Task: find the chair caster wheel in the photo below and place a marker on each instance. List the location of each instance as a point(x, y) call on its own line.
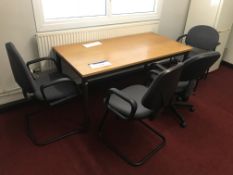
point(191, 109)
point(183, 125)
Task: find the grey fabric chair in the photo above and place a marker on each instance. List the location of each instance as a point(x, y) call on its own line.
point(202, 38)
point(138, 102)
point(193, 69)
point(50, 87)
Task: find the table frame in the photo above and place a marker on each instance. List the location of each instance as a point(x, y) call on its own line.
point(87, 79)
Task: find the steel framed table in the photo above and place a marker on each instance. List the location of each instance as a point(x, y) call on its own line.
point(122, 52)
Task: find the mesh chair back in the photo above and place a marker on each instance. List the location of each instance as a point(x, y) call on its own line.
point(196, 67)
point(20, 71)
point(161, 91)
point(203, 37)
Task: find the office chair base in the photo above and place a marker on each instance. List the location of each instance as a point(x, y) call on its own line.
point(121, 155)
point(179, 117)
point(186, 105)
point(35, 140)
point(192, 109)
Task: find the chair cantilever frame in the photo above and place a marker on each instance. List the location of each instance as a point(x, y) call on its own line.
point(137, 102)
point(51, 88)
point(133, 105)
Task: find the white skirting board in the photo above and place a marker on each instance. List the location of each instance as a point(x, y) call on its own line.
point(11, 96)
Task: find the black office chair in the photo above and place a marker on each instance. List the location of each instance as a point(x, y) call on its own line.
point(50, 87)
point(193, 69)
point(139, 102)
point(203, 39)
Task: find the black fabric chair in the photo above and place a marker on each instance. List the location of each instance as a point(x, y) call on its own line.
point(193, 69)
point(203, 39)
point(50, 87)
point(202, 36)
point(139, 102)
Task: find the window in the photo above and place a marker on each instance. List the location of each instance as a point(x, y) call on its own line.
point(58, 9)
point(132, 6)
point(65, 14)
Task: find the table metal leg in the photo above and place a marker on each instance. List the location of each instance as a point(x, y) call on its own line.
point(185, 56)
point(85, 102)
point(58, 60)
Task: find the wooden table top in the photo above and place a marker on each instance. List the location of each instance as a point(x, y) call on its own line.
point(121, 52)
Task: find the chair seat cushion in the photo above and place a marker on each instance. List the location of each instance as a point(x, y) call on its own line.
point(135, 92)
point(56, 92)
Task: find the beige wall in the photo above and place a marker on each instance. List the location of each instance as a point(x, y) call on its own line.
point(17, 25)
point(173, 19)
point(228, 55)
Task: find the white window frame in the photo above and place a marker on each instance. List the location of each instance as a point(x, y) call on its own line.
point(82, 22)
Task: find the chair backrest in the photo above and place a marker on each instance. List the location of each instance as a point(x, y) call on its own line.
point(20, 71)
point(203, 37)
point(196, 66)
point(160, 92)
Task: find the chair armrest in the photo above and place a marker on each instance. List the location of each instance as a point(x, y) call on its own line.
point(153, 71)
point(41, 59)
point(157, 65)
point(124, 97)
point(181, 37)
point(53, 83)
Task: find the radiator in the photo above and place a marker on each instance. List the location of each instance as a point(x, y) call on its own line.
point(47, 40)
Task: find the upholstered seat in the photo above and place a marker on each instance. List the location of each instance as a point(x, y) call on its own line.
point(136, 92)
point(49, 87)
point(137, 102)
point(56, 91)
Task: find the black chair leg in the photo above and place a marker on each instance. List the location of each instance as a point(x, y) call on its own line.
point(101, 125)
point(179, 117)
point(196, 85)
point(186, 105)
point(121, 155)
point(33, 138)
point(206, 74)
